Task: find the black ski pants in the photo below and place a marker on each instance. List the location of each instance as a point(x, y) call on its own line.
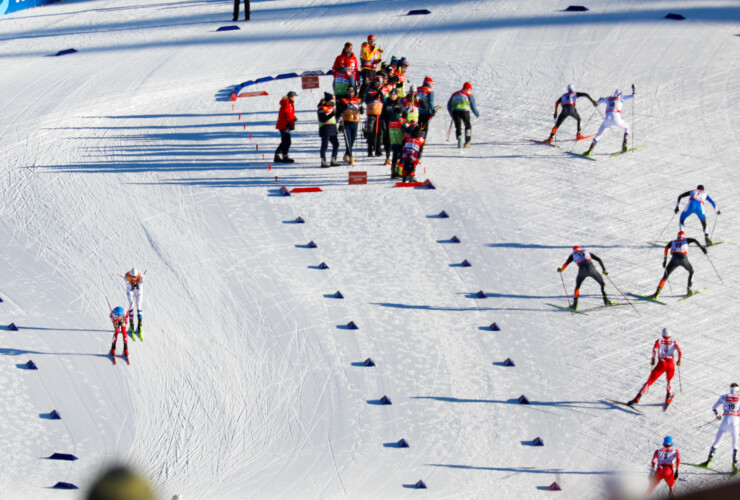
point(285, 142)
point(568, 110)
point(462, 117)
point(679, 260)
point(246, 10)
point(588, 270)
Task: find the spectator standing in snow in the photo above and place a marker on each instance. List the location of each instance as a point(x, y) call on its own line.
point(285, 124)
point(328, 129)
point(236, 10)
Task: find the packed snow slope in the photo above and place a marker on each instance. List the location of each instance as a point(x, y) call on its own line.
point(247, 384)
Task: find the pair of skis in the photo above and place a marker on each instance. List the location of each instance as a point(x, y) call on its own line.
point(113, 358)
point(637, 411)
point(653, 299)
point(704, 466)
point(548, 143)
point(587, 157)
point(584, 311)
point(133, 333)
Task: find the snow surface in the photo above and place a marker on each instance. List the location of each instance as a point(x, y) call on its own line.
point(247, 385)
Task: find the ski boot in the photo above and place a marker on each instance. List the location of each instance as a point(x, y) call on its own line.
point(574, 306)
point(334, 162)
point(138, 329)
point(548, 140)
point(668, 398)
point(634, 400)
point(467, 144)
point(655, 295)
point(689, 291)
point(278, 158)
point(608, 302)
point(288, 160)
point(708, 461)
point(324, 164)
point(707, 241)
point(579, 136)
point(624, 146)
point(590, 148)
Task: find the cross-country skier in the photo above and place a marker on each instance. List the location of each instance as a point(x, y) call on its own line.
point(664, 349)
point(679, 257)
point(697, 197)
point(613, 118)
point(586, 269)
point(568, 102)
point(120, 320)
point(426, 100)
point(459, 106)
point(135, 293)
point(730, 423)
point(328, 129)
point(410, 155)
point(664, 457)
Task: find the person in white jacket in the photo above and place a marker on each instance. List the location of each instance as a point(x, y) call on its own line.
point(730, 423)
point(613, 118)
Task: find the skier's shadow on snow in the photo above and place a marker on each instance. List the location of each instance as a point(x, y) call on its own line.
point(589, 405)
point(431, 308)
point(56, 329)
point(530, 470)
point(536, 246)
point(21, 352)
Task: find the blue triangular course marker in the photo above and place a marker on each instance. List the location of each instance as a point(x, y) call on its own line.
point(65, 52)
point(1, 299)
point(299, 220)
point(576, 8)
point(538, 442)
point(429, 184)
point(311, 244)
point(31, 365)
point(228, 28)
point(12, 327)
point(419, 12)
point(675, 17)
point(264, 79)
point(323, 266)
point(54, 415)
point(481, 294)
point(284, 191)
point(509, 362)
point(385, 400)
point(62, 456)
point(338, 295)
point(465, 263)
point(494, 327)
point(286, 75)
point(455, 239)
point(554, 487)
point(523, 400)
point(65, 486)
point(420, 485)
point(351, 325)
point(402, 443)
point(443, 215)
point(369, 362)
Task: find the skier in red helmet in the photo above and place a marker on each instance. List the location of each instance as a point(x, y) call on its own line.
point(586, 269)
point(460, 105)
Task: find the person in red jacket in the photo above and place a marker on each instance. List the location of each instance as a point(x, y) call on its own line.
point(664, 458)
point(285, 124)
point(345, 71)
point(410, 156)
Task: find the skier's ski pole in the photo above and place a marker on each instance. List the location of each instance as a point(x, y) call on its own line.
point(623, 295)
point(666, 226)
point(707, 423)
point(680, 385)
point(715, 269)
point(633, 115)
point(713, 226)
point(584, 128)
point(449, 129)
point(566, 290)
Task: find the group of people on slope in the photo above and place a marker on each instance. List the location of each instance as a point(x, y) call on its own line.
point(397, 114)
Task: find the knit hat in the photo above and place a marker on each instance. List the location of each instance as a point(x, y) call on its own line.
point(328, 97)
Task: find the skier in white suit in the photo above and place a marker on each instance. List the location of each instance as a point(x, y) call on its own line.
point(613, 118)
point(135, 293)
point(730, 423)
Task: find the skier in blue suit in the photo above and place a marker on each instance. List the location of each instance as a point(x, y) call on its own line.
point(697, 197)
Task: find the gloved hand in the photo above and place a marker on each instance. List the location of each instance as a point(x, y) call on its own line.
point(606, 273)
point(678, 363)
point(718, 212)
point(596, 105)
point(634, 91)
point(676, 210)
point(663, 263)
point(555, 115)
point(704, 249)
point(560, 269)
point(675, 475)
point(716, 414)
point(652, 362)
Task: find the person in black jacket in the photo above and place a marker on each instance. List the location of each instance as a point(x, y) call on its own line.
point(236, 10)
point(328, 129)
point(568, 103)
